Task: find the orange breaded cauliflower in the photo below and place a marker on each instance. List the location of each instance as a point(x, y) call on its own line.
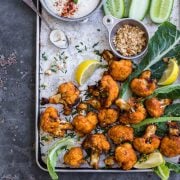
point(143, 86)
point(156, 107)
point(106, 91)
point(109, 161)
point(110, 89)
point(51, 123)
point(109, 56)
point(88, 105)
point(118, 69)
point(68, 95)
point(85, 124)
point(98, 143)
point(149, 142)
point(170, 145)
point(125, 156)
point(120, 134)
point(74, 157)
point(107, 117)
point(134, 112)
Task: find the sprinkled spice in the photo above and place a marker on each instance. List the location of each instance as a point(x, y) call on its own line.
point(66, 8)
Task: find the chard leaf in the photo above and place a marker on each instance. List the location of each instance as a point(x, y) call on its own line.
point(158, 68)
point(173, 166)
point(161, 44)
point(171, 92)
point(155, 120)
point(53, 154)
point(162, 171)
point(173, 110)
point(162, 129)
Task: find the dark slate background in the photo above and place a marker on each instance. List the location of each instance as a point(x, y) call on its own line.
point(17, 104)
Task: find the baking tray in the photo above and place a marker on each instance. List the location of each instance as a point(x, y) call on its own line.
point(39, 45)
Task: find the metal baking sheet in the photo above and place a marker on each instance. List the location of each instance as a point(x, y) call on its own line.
point(90, 37)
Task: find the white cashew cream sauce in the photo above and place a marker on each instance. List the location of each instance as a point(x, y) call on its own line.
point(84, 7)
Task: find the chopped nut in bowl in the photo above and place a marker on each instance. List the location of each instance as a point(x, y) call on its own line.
point(128, 38)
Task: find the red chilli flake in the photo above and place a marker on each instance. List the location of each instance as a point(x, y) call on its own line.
point(69, 9)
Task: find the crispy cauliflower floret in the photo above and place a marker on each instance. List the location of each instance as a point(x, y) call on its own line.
point(95, 103)
point(125, 156)
point(109, 89)
point(88, 105)
point(156, 107)
point(107, 117)
point(74, 157)
point(82, 107)
point(51, 123)
point(149, 142)
point(68, 95)
point(85, 124)
point(109, 161)
point(143, 86)
point(120, 134)
point(98, 143)
point(109, 56)
point(170, 145)
point(106, 91)
point(120, 70)
point(134, 112)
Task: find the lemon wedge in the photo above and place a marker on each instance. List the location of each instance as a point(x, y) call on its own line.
point(170, 75)
point(149, 161)
point(85, 70)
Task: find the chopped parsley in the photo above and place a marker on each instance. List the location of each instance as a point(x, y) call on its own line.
point(44, 56)
point(94, 45)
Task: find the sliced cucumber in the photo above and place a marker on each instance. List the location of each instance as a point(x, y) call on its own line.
point(138, 9)
point(114, 8)
point(127, 4)
point(160, 10)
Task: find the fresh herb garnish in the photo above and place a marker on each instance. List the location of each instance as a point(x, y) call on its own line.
point(94, 45)
point(81, 47)
point(44, 138)
point(71, 135)
point(97, 52)
point(44, 56)
point(75, 1)
point(43, 86)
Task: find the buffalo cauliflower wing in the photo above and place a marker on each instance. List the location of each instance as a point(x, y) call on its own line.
point(143, 86)
point(120, 134)
point(118, 69)
point(74, 157)
point(156, 107)
point(51, 123)
point(170, 145)
point(68, 95)
point(109, 90)
point(149, 142)
point(125, 156)
point(107, 117)
point(134, 112)
point(98, 143)
point(84, 124)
